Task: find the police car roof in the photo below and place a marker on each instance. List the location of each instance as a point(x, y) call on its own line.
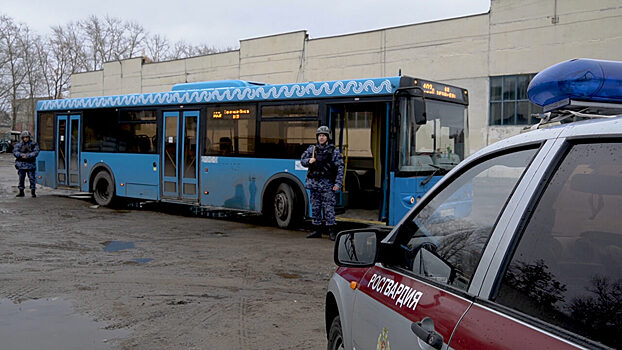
point(611, 127)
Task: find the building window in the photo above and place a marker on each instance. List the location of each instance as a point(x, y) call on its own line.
point(509, 104)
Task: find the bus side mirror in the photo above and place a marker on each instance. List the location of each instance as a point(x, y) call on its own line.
point(418, 108)
point(412, 103)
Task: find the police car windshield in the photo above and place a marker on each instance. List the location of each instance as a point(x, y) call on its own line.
point(437, 145)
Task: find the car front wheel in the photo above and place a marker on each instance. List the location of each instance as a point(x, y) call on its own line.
point(335, 335)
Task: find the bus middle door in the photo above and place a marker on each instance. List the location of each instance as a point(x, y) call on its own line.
point(68, 150)
point(180, 150)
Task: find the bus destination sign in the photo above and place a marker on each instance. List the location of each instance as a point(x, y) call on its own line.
point(231, 113)
point(442, 91)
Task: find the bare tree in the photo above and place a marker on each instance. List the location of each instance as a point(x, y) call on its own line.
point(182, 49)
point(157, 47)
point(62, 55)
point(110, 39)
point(33, 66)
point(94, 39)
point(135, 38)
point(114, 47)
point(12, 69)
point(201, 50)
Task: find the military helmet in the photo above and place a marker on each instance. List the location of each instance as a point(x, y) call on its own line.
point(324, 130)
point(25, 134)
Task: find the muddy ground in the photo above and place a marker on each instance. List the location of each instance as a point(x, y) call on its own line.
point(211, 283)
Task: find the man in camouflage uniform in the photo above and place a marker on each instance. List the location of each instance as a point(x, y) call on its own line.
point(26, 152)
point(324, 178)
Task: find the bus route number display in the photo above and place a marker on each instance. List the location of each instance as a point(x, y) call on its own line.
point(440, 90)
point(239, 113)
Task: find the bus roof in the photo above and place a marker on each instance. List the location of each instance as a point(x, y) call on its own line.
point(581, 79)
point(198, 93)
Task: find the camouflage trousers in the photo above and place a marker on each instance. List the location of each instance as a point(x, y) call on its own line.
point(22, 178)
point(323, 201)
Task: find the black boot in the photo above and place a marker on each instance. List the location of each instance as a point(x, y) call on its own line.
point(332, 233)
point(317, 232)
point(20, 194)
point(32, 192)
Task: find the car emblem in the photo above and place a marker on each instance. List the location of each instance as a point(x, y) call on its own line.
point(383, 340)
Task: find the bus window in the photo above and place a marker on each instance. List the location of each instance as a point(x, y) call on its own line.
point(46, 132)
point(100, 131)
point(104, 133)
point(437, 145)
point(287, 130)
point(286, 139)
point(290, 111)
point(137, 116)
point(138, 137)
point(231, 130)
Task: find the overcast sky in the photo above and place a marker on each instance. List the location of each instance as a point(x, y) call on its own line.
point(223, 23)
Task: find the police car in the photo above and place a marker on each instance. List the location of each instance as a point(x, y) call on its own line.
point(518, 247)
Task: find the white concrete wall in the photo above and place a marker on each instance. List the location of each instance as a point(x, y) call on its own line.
point(515, 37)
point(272, 59)
point(87, 84)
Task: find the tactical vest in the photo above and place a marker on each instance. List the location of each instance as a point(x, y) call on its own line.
point(323, 167)
point(26, 148)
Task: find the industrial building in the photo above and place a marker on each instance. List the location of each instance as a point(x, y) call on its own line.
point(494, 55)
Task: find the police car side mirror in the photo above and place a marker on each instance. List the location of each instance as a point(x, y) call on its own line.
point(358, 248)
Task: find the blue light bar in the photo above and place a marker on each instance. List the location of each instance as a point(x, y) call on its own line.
point(578, 79)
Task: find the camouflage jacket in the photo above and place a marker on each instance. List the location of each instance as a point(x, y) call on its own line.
point(25, 155)
point(323, 184)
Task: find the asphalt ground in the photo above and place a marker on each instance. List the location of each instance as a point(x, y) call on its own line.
point(159, 275)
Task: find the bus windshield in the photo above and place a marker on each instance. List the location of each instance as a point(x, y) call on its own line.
point(437, 145)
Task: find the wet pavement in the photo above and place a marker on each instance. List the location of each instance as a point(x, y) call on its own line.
point(52, 324)
point(115, 246)
point(156, 276)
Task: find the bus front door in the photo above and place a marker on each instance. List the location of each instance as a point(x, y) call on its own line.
point(359, 130)
point(68, 150)
point(180, 150)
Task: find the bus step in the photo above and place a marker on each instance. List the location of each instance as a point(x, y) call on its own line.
point(339, 209)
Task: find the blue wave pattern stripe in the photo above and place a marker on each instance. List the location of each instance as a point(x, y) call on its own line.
point(268, 92)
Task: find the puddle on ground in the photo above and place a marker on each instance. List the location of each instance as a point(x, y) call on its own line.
point(115, 246)
point(288, 275)
point(143, 260)
point(52, 324)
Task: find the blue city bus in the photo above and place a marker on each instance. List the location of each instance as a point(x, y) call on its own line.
point(237, 144)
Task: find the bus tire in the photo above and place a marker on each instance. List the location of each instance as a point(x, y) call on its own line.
point(103, 189)
point(335, 335)
point(286, 210)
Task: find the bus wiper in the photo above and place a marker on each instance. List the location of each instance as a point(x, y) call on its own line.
point(438, 168)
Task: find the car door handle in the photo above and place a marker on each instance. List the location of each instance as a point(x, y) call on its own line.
point(431, 337)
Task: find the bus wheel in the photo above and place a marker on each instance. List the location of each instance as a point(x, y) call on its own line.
point(285, 207)
point(335, 335)
point(103, 188)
